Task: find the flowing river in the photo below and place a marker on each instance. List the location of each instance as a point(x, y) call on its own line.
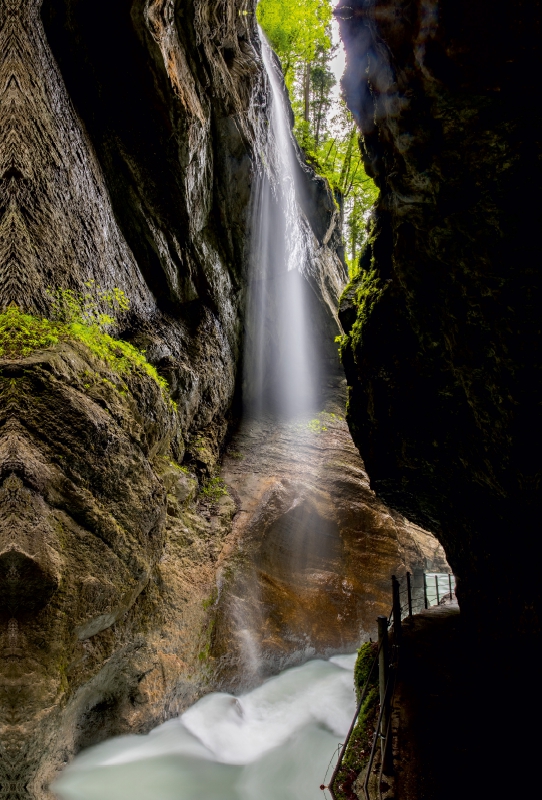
point(276, 741)
point(273, 743)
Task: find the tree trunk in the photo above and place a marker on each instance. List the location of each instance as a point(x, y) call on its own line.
point(306, 92)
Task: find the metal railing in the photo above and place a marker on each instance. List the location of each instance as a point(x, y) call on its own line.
point(436, 588)
point(408, 600)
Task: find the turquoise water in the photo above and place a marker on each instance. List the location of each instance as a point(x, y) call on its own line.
point(273, 743)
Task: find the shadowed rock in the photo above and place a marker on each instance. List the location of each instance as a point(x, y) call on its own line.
point(443, 349)
point(128, 146)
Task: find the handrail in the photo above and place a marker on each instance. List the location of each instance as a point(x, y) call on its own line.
point(388, 729)
point(375, 739)
point(355, 719)
point(392, 676)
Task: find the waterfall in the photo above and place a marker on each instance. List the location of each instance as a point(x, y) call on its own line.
point(281, 358)
point(275, 741)
point(280, 366)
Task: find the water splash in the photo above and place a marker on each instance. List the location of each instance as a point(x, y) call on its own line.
point(273, 743)
point(280, 358)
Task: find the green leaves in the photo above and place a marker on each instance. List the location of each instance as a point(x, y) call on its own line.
point(88, 308)
point(300, 33)
point(77, 319)
point(22, 334)
point(295, 29)
point(214, 489)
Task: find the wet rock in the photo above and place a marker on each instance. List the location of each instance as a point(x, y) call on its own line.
point(127, 151)
point(128, 146)
point(306, 569)
point(442, 353)
point(105, 564)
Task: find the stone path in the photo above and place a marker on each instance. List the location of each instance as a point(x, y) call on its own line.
point(429, 696)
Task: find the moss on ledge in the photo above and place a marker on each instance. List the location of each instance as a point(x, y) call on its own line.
point(22, 334)
point(357, 752)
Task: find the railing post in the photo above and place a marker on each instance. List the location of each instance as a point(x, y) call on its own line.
point(450, 585)
point(436, 589)
point(425, 590)
point(384, 657)
point(396, 610)
point(409, 593)
point(383, 674)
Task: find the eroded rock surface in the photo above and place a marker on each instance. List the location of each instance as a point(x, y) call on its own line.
point(442, 354)
point(307, 567)
point(128, 146)
point(127, 151)
point(104, 562)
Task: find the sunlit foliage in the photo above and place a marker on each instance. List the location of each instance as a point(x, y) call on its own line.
point(296, 29)
point(300, 33)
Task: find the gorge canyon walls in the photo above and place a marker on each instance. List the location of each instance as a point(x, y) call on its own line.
point(443, 325)
point(129, 141)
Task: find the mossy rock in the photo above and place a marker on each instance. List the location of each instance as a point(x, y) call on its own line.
point(359, 746)
point(22, 334)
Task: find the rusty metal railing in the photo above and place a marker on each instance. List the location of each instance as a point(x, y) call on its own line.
point(388, 677)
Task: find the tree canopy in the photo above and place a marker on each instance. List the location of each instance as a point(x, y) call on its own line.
point(296, 29)
point(300, 33)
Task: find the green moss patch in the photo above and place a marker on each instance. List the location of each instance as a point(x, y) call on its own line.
point(368, 291)
point(214, 489)
point(316, 426)
point(23, 334)
point(359, 746)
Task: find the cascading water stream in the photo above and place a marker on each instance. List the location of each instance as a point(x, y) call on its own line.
point(274, 742)
point(280, 362)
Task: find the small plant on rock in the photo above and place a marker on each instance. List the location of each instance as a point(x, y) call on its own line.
point(77, 317)
point(213, 489)
point(316, 426)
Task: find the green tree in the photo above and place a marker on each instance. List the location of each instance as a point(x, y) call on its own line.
point(338, 158)
point(322, 81)
point(300, 33)
point(296, 29)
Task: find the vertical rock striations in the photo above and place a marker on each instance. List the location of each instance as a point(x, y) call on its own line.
point(104, 562)
point(128, 143)
point(443, 324)
point(129, 139)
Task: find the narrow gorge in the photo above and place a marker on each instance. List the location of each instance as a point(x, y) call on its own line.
point(221, 431)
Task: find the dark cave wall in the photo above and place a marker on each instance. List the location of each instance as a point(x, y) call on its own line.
point(443, 323)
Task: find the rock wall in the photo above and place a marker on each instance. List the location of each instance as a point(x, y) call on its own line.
point(306, 569)
point(128, 139)
point(442, 351)
point(127, 151)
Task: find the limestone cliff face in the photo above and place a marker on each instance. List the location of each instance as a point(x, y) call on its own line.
point(130, 134)
point(442, 353)
point(135, 186)
point(128, 143)
point(104, 562)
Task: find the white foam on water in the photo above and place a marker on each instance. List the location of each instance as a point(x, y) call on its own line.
point(273, 743)
point(346, 662)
